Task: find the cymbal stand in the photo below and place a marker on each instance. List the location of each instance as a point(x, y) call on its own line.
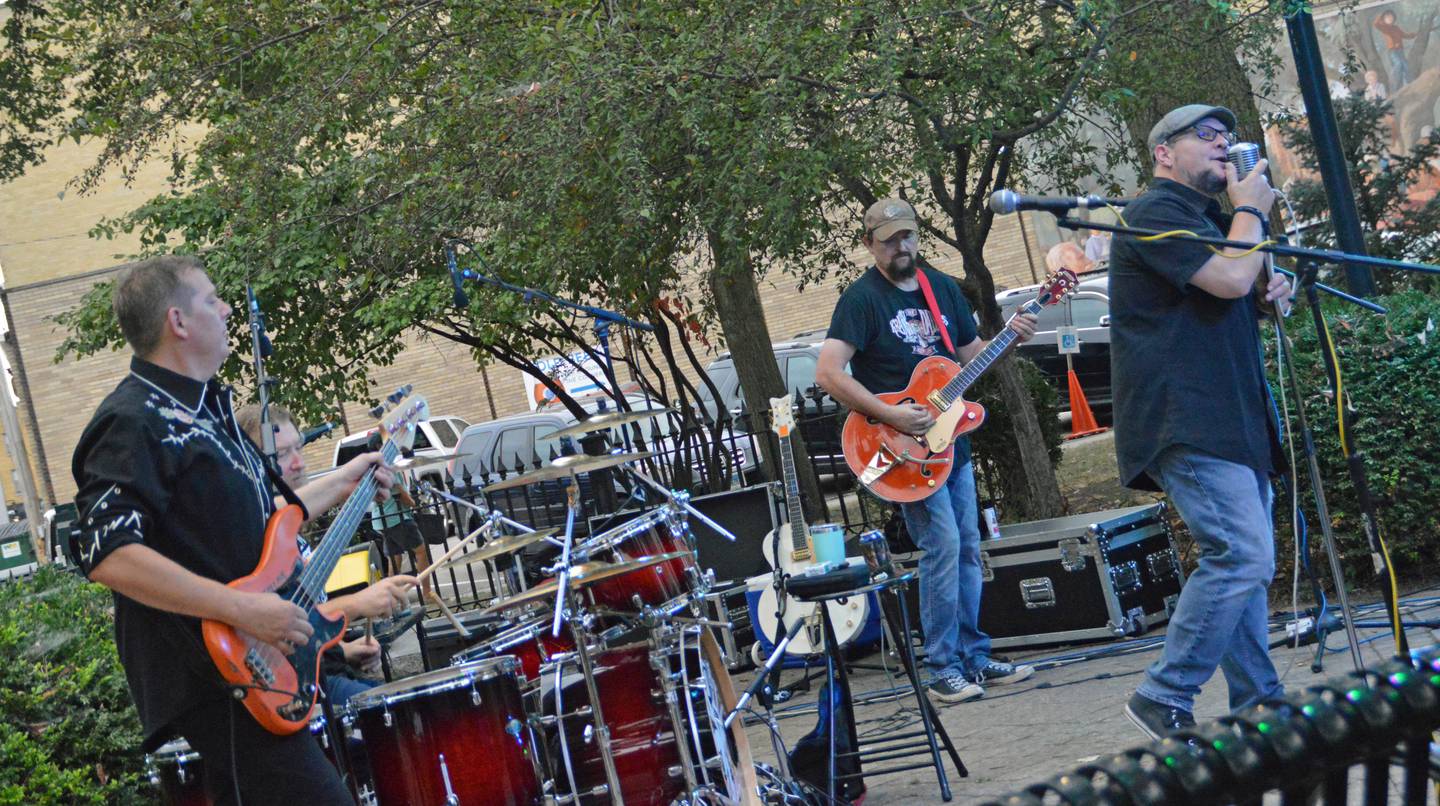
point(483, 509)
point(569, 607)
point(488, 512)
point(682, 500)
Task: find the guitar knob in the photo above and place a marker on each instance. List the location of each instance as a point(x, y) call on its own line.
point(930, 483)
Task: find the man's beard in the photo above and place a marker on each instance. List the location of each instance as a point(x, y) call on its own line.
point(1208, 183)
point(903, 269)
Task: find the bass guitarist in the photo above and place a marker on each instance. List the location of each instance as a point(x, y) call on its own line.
point(882, 328)
point(173, 502)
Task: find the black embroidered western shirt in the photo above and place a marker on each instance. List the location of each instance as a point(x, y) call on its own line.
point(163, 463)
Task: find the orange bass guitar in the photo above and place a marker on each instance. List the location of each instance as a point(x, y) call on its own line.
point(280, 689)
point(905, 468)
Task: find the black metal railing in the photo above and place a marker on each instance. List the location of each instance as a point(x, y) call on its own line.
point(1364, 738)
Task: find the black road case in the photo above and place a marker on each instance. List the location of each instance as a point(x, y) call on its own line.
point(1085, 577)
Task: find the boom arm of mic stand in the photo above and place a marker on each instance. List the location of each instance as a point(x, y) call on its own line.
point(1318, 255)
point(764, 673)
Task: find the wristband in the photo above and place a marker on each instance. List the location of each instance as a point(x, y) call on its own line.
point(1264, 222)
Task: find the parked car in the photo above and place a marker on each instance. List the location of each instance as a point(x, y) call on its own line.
point(1088, 310)
point(499, 448)
point(434, 437)
point(797, 361)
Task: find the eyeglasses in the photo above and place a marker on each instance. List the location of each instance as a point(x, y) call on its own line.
point(1206, 134)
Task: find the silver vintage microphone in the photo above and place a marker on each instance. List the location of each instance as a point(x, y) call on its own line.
point(1243, 156)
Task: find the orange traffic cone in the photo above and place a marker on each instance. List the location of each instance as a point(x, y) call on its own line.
point(1082, 420)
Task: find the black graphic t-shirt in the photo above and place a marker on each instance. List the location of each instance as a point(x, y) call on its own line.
point(162, 463)
point(892, 331)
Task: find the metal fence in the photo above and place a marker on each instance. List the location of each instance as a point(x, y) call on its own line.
point(686, 459)
point(1363, 738)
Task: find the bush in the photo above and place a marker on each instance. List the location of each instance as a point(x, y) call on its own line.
point(1390, 368)
point(68, 728)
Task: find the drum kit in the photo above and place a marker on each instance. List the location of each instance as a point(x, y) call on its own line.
point(604, 684)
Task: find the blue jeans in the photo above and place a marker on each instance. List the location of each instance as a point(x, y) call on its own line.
point(1220, 620)
point(946, 527)
point(340, 688)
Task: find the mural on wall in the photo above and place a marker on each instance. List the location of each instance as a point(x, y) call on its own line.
point(1395, 46)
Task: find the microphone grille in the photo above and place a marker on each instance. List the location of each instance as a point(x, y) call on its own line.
point(1243, 156)
point(1003, 201)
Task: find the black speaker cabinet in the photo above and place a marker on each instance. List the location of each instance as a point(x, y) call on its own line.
point(748, 513)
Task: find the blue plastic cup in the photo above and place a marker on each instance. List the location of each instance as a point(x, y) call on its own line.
point(828, 540)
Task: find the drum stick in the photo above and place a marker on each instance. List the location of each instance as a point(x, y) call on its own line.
point(420, 577)
point(445, 611)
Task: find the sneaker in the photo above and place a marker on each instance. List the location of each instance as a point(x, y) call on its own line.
point(999, 673)
point(953, 687)
point(1156, 719)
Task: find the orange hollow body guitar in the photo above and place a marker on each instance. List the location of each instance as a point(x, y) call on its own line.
point(905, 468)
point(280, 690)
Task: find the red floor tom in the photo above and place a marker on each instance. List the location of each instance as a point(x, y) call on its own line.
point(459, 734)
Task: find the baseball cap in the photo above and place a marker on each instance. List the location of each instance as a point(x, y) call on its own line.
point(888, 216)
point(1181, 118)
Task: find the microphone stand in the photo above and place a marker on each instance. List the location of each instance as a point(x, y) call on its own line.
point(1309, 262)
point(261, 349)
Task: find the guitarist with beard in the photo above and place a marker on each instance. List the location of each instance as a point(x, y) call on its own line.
point(173, 502)
point(882, 327)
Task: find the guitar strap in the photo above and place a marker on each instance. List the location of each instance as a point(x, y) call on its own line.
point(929, 294)
point(285, 491)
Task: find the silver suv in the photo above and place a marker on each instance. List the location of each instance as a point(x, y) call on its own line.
point(1088, 310)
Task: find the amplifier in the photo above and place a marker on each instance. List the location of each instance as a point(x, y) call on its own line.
point(748, 513)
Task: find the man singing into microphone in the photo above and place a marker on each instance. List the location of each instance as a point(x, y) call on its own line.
point(1192, 412)
point(882, 328)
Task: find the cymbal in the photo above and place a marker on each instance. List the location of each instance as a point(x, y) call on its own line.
point(503, 545)
point(565, 466)
point(608, 419)
point(581, 575)
point(415, 462)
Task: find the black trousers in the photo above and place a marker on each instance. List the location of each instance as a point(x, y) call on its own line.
point(280, 770)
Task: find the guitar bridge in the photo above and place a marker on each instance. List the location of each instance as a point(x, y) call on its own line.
point(259, 669)
point(880, 463)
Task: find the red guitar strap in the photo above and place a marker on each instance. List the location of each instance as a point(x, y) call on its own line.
point(935, 310)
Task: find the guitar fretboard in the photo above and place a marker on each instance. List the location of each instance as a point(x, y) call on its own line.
point(337, 537)
point(998, 346)
point(799, 536)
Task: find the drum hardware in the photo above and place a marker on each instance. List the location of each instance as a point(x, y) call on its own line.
point(502, 545)
point(482, 508)
point(417, 462)
point(567, 467)
point(607, 420)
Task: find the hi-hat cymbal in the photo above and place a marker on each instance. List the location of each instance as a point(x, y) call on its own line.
point(503, 545)
point(565, 466)
point(608, 419)
point(581, 575)
point(415, 462)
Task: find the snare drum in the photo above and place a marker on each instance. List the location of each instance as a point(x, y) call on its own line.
point(530, 642)
point(452, 735)
point(660, 531)
point(178, 773)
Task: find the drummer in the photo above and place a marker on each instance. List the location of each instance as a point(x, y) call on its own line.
point(353, 666)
